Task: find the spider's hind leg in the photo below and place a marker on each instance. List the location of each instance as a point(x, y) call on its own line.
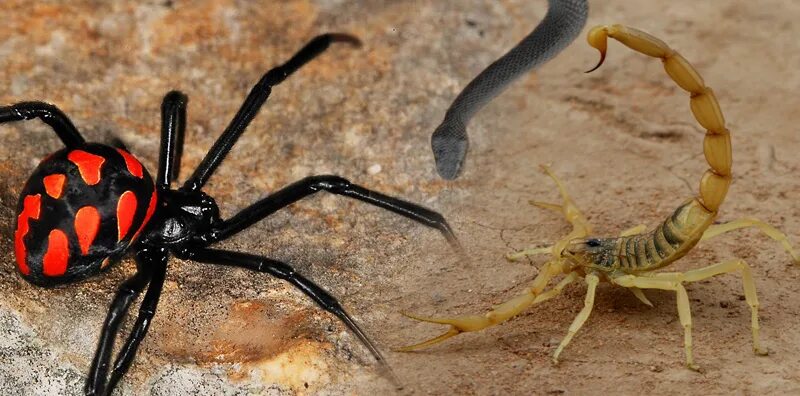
point(49, 114)
point(157, 259)
point(151, 268)
point(285, 272)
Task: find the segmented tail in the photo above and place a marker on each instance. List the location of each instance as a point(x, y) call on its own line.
point(717, 145)
point(686, 225)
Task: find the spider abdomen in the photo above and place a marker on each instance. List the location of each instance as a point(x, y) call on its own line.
point(79, 211)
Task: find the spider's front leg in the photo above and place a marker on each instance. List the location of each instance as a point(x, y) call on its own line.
point(334, 185)
point(255, 99)
point(173, 127)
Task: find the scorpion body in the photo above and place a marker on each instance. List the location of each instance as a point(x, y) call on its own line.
point(633, 254)
point(629, 259)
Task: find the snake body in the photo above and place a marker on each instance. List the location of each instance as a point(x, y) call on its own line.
point(564, 21)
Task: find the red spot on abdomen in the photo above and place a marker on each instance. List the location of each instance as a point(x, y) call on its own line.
point(54, 185)
point(31, 207)
point(57, 256)
point(89, 165)
point(87, 223)
point(126, 209)
point(134, 166)
point(151, 208)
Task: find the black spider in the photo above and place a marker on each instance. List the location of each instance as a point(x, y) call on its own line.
point(87, 205)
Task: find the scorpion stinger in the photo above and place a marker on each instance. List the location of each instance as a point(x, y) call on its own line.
point(630, 259)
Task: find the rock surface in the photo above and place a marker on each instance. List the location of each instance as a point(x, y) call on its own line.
point(621, 138)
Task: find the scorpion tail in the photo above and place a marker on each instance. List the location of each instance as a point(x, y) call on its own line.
point(717, 146)
point(598, 39)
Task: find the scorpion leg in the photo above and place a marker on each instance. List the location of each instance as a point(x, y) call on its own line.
point(547, 206)
point(591, 281)
point(532, 251)
point(747, 281)
point(640, 295)
point(684, 310)
point(580, 226)
point(767, 229)
point(500, 313)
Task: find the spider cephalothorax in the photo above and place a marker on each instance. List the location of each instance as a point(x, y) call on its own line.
point(88, 204)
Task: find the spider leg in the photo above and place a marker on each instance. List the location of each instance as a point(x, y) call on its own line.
point(157, 260)
point(173, 125)
point(284, 271)
point(49, 114)
point(255, 99)
point(127, 292)
point(334, 185)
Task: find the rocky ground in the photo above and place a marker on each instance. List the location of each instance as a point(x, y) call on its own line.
point(621, 138)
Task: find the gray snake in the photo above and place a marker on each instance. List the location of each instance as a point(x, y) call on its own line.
point(564, 21)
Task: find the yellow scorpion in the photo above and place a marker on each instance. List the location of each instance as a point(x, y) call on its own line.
point(630, 259)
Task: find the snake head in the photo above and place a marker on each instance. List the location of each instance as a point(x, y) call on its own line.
point(450, 145)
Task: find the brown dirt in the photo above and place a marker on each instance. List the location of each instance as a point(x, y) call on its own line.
point(621, 138)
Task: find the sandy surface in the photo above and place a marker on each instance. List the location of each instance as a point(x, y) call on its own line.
point(622, 139)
